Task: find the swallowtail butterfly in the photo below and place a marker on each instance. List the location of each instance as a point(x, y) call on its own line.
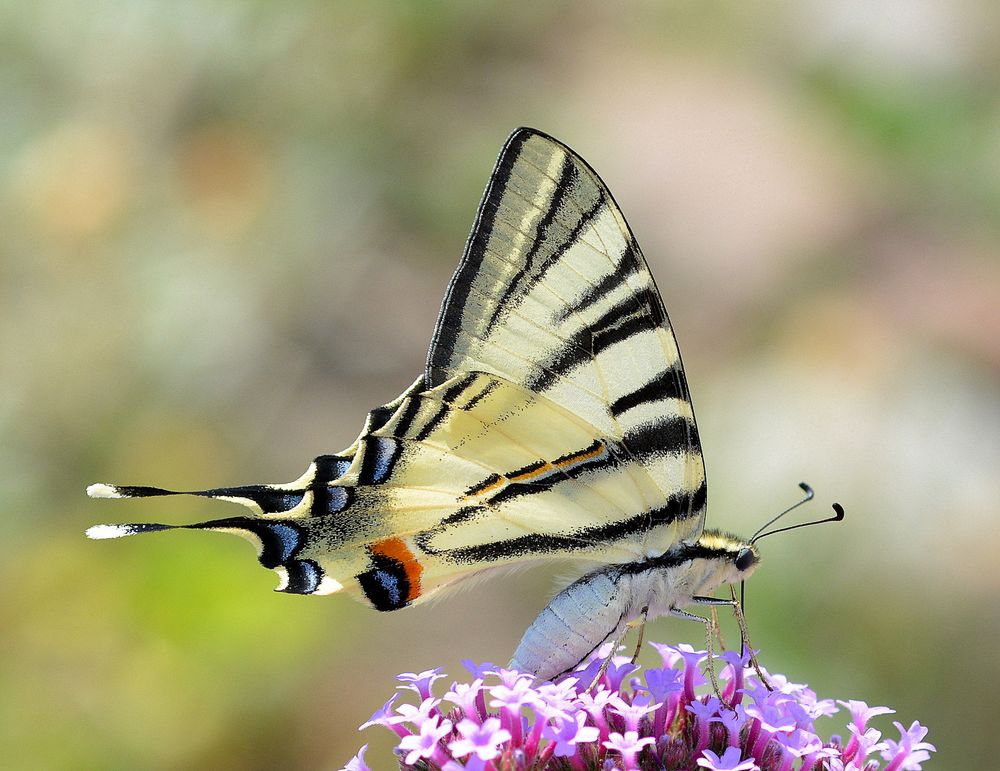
point(553, 420)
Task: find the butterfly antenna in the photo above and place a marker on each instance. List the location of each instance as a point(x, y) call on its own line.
point(838, 515)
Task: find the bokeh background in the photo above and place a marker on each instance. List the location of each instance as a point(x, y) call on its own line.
point(227, 228)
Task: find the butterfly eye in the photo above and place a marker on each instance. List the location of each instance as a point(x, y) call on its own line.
point(745, 559)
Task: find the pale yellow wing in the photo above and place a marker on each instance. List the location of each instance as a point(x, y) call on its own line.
point(553, 293)
point(553, 419)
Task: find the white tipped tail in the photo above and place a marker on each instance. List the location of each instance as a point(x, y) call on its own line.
point(101, 532)
point(101, 490)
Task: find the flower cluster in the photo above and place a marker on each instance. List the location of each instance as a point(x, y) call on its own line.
point(500, 721)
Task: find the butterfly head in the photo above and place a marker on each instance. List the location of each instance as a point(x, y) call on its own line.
point(746, 559)
point(736, 558)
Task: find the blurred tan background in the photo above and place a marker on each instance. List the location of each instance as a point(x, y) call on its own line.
point(227, 228)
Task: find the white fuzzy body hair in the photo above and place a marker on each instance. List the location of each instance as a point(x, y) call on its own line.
point(600, 605)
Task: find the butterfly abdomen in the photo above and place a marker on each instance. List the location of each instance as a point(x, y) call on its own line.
point(598, 607)
point(578, 620)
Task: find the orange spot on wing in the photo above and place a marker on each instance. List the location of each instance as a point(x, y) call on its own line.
point(535, 472)
point(396, 549)
point(582, 457)
point(538, 469)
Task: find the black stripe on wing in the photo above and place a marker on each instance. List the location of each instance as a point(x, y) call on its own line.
point(567, 176)
point(379, 455)
point(636, 313)
point(447, 399)
point(669, 435)
point(679, 506)
point(449, 323)
point(666, 385)
point(626, 268)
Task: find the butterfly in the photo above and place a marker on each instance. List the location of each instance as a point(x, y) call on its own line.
point(552, 421)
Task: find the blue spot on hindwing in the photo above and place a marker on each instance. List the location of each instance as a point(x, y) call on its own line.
point(330, 467)
point(386, 585)
point(274, 501)
point(389, 585)
point(384, 460)
point(303, 576)
point(378, 459)
point(290, 501)
point(287, 540)
point(280, 540)
point(337, 500)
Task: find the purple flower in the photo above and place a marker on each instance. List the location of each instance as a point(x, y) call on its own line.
point(561, 696)
point(733, 721)
point(509, 677)
point(731, 760)
point(861, 713)
point(633, 713)
point(910, 751)
point(384, 717)
point(663, 685)
point(692, 668)
point(737, 664)
point(407, 713)
point(799, 742)
point(705, 713)
point(426, 744)
point(618, 671)
point(862, 744)
point(571, 732)
point(767, 718)
point(663, 682)
point(357, 763)
point(815, 707)
point(479, 671)
point(629, 745)
point(466, 697)
point(514, 697)
point(421, 683)
point(481, 740)
point(511, 699)
point(596, 704)
point(501, 720)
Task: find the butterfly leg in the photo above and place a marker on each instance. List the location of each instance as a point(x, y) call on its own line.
point(717, 629)
point(641, 623)
point(745, 643)
point(708, 639)
point(607, 660)
point(741, 621)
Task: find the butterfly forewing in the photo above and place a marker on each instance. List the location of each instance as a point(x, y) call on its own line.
point(554, 294)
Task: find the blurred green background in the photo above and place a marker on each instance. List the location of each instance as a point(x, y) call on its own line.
point(227, 228)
